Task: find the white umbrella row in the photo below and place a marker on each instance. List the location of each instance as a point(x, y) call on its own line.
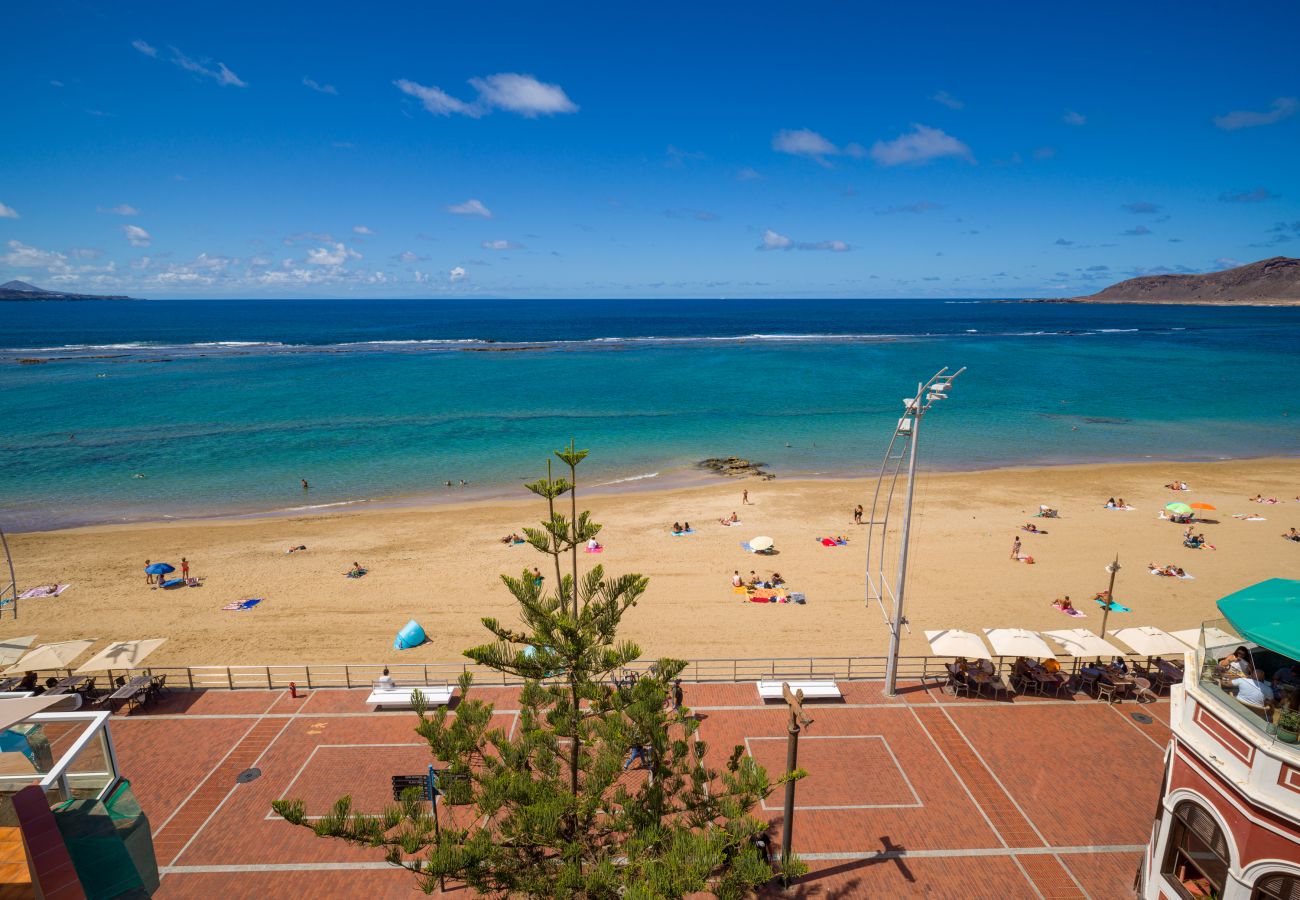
point(118, 655)
point(1076, 642)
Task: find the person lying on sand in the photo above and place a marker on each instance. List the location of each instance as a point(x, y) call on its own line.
point(1032, 529)
point(729, 520)
point(296, 549)
point(1177, 485)
point(1292, 535)
point(356, 571)
point(1063, 604)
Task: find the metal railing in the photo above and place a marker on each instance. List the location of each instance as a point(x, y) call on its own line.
point(352, 675)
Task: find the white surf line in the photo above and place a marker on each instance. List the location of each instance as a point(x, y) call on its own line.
point(994, 775)
point(840, 856)
point(993, 828)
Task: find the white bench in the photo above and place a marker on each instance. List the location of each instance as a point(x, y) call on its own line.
point(434, 695)
point(771, 690)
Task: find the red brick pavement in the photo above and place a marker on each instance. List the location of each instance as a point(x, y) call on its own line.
point(923, 776)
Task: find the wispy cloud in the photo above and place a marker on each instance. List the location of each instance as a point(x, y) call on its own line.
point(773, 240)
point(408, 256)
point(136, 235)
point(8, 212)
point(810, 144)
point(501, 245)
point(1282, 108)
point(748, 173)
point(361, 229)
point(221, 74)
point(919, 146)
point(122, 209)
point(1258, 195)
point(947, 100)
point(291, 239)
point(1139, 231)
point(699, 215)
point(920, 206)
point(1141, 208)
point(510, 91)
point(677, 157)
point(1072, 117)
point(470, 207)
point(317, 86)
point(332, 255)
point(458, 273)
point(24, 256)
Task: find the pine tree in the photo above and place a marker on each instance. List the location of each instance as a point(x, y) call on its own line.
point(555, 811)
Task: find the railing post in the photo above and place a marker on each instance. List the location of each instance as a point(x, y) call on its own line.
point(307, 671)
point(230, 678)
point(268, 678)
point(189, 675)
point(347, 675)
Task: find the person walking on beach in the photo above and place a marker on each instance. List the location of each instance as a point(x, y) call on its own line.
point(185, 568)
point(677, 694)
point(744, 497)
point(538, 577)
point(1015, 549)
point(148, 576)
point(857, 514)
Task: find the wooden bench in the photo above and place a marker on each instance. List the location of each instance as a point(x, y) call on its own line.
point(398, 696)
point(771, 690)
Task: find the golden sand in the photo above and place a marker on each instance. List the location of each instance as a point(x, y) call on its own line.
point(441, 566)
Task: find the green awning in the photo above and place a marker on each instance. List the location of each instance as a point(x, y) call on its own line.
point(1267, 613)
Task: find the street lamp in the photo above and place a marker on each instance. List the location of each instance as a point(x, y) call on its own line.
point(1112, 568)
point(878, 587)
point(798, 719)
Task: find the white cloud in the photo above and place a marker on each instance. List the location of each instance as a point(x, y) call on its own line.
point(773, 240)
point(458, 274)
point(136, 235)
point(361, 229)
point(470, 207)
point(145, 48)
point(1074, 118)
point(334, 255)
point(748, 174)
point(919, 146)
point(805, 142)
point(947, 100)
point(122, 209)
point(222, 75)
point(521, 94)
point(23, 256)
point(502, 245)
point(408, 256)
point(322, 236)
point(316, 86)
point(1282, 108)
point(8, 212)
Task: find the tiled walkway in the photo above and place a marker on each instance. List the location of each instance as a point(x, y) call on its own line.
point(915, 796)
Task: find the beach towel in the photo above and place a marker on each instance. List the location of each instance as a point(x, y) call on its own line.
point(243, 604)
point(1070, 612)
point(1114, 607)
point(357, 574)
point(1246, 518)
point(828, 542)
point(680, 533)
point(173, 583)
point(1121, 508)
point(593, 549)
point(730, 523)
point(760, 599)
point(45, 590)
point(739, 589)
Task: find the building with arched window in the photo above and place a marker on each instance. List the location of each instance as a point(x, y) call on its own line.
point(1228, 822)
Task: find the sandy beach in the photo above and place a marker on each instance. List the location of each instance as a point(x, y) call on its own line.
point(441, 566)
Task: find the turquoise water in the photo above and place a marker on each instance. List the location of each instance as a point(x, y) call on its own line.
point(223, 406)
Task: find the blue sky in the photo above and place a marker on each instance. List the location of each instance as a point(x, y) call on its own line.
point(607, 150)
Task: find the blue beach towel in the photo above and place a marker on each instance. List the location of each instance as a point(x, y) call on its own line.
point(1114, 607)
point(680, 533)
point(243, 604)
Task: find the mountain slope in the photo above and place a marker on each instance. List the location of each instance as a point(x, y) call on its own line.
point(1269, 282)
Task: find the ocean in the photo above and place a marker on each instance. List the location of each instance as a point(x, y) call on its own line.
point(156, 409)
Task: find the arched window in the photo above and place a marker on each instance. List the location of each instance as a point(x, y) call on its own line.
point(1276, 886)
point(1196, 858)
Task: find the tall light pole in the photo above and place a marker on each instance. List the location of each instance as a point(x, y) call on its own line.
point(798, 720)
point(1112, 568)
point(878, 587)
point(12, 588)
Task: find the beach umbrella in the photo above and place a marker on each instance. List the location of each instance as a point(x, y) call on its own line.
point(952, 642)
point(1081, 643)
point(12, 649)
point(50, 656)
point(159, 569)
point(1018, 642)
point(759, 544)
point(121, 655)
point(1215, 638)
point(1207, 506)
point(1179, 509)
point(1150, 641)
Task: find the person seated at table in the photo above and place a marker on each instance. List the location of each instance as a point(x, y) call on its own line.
point(1286, 678)
point(1022, 667)
point(1093, 669)
point(28, 683)
point(51, 683)
point(1238, 662)
point(1050, 665)
point(1253, 690)
point(1119, 666)
point(961, 664)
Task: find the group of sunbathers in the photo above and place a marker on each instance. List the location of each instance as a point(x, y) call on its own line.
point(512, 538)
point(1260, 498)
point(732, 519)
point(1032, 528)
point(1195, 541)
point(1170, 571)
point(755, 581)
point(1177, 485)
point(1113, 504)
point(682, 528)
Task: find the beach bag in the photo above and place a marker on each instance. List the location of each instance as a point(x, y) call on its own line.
point(798, 598)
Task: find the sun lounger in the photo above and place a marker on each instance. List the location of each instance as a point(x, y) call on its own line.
point(771, 690)
point(400, 697)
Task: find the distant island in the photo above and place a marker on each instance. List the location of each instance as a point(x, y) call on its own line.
point(21, 290)
point(1269, 282)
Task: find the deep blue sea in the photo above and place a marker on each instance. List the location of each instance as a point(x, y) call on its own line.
point(150, 409)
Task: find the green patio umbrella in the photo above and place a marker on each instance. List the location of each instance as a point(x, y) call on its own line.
point(1179, 509)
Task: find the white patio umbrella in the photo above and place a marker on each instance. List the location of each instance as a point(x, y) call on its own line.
point(761, 543)
point(50, 656)
point(121, 655)
point(1018, 642)
point(952, 642)
point(1214, 637)
point(1147, 640)
point(1082, 643)
point(12, 649)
